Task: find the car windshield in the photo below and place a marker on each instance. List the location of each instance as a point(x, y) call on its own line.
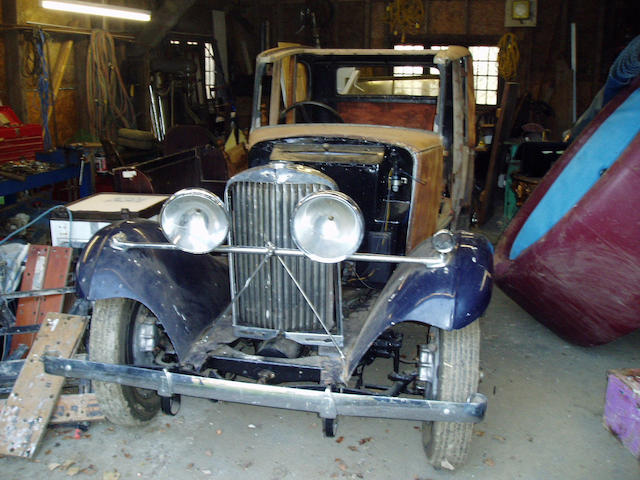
point(399, 88)
point(400, 80)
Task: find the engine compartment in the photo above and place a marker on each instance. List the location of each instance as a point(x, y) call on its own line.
point(378, 177)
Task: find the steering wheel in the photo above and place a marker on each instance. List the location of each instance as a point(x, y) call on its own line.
point(302, 106)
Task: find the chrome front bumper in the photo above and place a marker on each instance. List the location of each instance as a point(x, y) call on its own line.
point(326, 404)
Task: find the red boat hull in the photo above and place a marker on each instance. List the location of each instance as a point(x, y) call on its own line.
point(581, 278)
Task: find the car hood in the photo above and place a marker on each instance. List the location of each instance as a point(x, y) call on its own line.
point(412, 139)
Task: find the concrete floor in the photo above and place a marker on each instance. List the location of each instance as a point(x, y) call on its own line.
point(544, 422)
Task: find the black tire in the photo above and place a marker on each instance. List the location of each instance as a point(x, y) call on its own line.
point(447, 443)
point(329, 427)
point(110, 341)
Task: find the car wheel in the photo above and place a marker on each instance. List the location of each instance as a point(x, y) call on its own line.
point(458, 372)
point(114, 337)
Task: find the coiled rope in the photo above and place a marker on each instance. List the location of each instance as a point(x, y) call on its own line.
point(508, 56)
point(108, 102)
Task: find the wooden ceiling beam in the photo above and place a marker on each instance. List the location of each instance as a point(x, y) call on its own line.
point(162, 21)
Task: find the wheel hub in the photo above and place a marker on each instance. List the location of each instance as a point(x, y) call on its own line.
point(144, 338)
point(428, 364)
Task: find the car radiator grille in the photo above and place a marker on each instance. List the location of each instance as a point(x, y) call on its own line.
point(261, 214)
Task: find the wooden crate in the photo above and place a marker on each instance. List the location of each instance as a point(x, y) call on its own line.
point(622, 407)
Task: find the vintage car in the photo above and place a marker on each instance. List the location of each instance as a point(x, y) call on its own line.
point(302, 272)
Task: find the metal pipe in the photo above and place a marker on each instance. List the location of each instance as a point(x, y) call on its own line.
point(19, 330)
point(37, 293)
point(325, 403)
point(162, 121)
point(154, 113)
point(52, 28)
point(437, 261)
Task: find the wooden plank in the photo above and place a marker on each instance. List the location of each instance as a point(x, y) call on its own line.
point(470, 136)
point(59, 69)
point(459, 162)
point(55, 276)
point(47, 267)
point(470, 104)
point(427, 195)
point(32, 279)
point(25, 416)
point(289, 77)
point(274, 103)
point(503, 129)
point(73, 408)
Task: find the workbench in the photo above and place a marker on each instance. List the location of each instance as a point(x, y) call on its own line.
point(68, 163)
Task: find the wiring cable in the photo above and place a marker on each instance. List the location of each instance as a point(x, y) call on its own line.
point(358, 278)
point(31, 62)
point(46, 212)
point(508, 56)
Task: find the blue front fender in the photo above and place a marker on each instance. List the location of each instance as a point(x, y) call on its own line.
point(185, 292)
point(449, 298)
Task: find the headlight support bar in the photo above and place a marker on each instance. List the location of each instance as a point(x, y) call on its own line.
point(439, 260)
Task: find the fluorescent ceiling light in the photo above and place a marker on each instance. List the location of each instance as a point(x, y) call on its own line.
point(98, 9)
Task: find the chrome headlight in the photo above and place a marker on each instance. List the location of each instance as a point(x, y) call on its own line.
point(327, 226)
point(195, 220)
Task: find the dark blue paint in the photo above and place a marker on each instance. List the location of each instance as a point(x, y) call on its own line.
point(625, 68)
point(449, 298)
point(186, 292)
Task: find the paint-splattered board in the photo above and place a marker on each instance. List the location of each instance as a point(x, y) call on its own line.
point(25, 416)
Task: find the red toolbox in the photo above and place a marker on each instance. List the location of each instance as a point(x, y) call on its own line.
point(18, 141)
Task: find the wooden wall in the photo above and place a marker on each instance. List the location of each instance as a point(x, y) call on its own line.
point(19, 89)
point(544, 72)
point(3, 77)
